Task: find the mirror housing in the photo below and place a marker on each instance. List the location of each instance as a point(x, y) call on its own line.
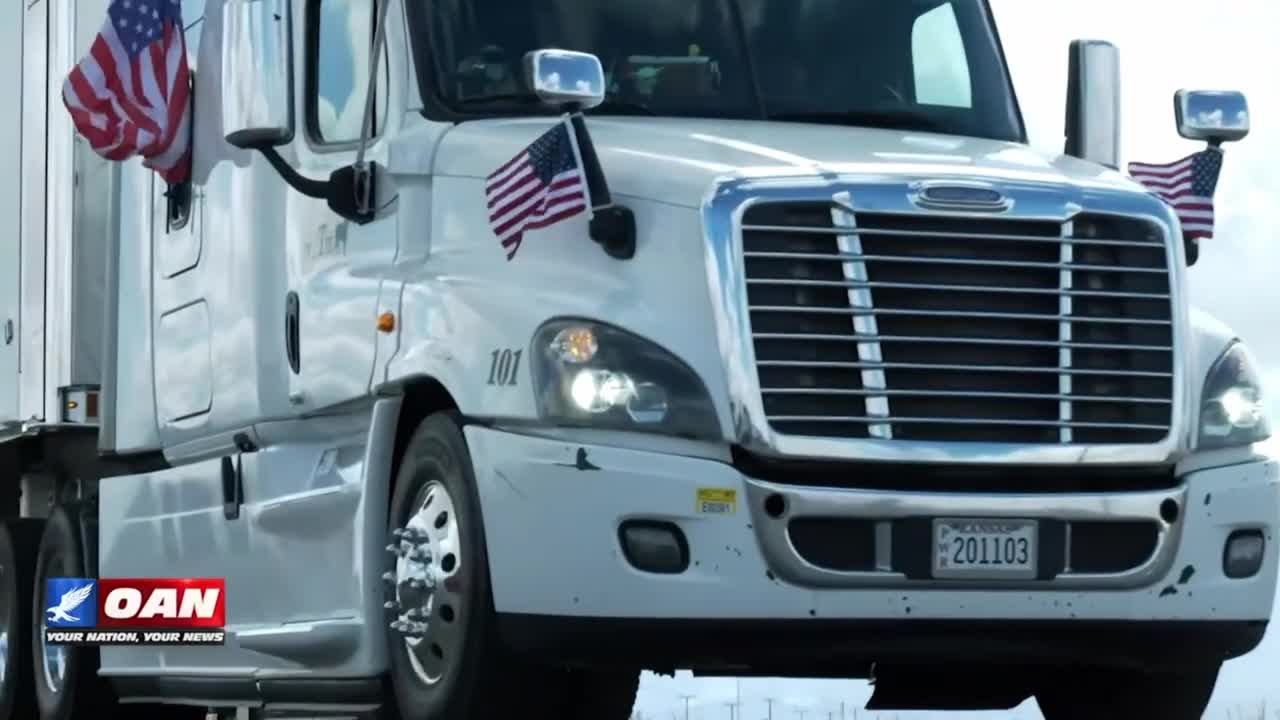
point(573, 82)
point(565, 79)
point(257, 73)
point(1215, 116)
point(1093, 102)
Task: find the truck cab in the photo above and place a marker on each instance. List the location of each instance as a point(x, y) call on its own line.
point(807, 365)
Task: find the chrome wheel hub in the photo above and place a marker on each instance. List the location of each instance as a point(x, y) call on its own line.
point(426, 601)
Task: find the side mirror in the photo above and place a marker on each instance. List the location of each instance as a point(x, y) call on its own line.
point(1093, 102)
point(565, 79)
point(573, 82)
point(257, 103)
point(257, 73)
point(1216, 116)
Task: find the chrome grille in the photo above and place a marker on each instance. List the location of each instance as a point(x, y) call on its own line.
point(933, 327)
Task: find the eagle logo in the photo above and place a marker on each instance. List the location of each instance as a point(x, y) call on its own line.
point(70, 600)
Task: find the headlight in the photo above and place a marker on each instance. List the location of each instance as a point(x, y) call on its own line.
point(1231, 410)
point(594, 375)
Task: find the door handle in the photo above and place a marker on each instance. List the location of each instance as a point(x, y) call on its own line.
point(232, 488)
point(8, 331)
point(293, 331)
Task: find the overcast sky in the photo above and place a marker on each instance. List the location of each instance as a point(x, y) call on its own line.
point(1164, 45)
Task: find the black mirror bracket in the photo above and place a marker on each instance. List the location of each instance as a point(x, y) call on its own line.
point(612, 226)
point(614, 229)
point(349, 191)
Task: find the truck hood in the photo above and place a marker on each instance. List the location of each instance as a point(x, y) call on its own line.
point(674, 160)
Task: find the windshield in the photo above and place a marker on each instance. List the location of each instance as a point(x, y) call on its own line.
point(912, 64)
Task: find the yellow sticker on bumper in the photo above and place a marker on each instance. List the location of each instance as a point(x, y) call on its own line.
point(717, 501)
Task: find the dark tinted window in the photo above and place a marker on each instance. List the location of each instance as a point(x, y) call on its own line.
point(922, 64)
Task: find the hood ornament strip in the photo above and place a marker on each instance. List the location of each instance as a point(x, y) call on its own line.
point(963, 196)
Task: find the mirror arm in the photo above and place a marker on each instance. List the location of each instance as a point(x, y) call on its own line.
point(318, 189)
point(343, 190)
point(364, 202)
point(612, 226)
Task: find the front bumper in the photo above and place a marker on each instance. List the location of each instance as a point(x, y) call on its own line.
point(552, 512)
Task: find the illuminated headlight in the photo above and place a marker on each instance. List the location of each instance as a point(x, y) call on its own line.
point(595, 375)
point(1231, 412)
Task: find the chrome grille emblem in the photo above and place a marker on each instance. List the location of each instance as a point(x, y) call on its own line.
point(976, 197)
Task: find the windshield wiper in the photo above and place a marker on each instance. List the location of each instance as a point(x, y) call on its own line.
point(519, 98)
point(610, 106)
point(890, 119)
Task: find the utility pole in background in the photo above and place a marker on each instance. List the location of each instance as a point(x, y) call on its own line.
point(769, 702)
point(687, 698)
point(730, 706)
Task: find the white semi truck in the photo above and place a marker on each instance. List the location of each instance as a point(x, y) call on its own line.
point(838, 377)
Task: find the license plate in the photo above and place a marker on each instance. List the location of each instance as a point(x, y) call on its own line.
point(985, 549)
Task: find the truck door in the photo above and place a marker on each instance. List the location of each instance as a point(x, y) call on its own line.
point(11, 23)
point(335, 267)
point(183, 316)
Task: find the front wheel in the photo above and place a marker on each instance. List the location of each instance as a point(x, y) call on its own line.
point(446, 659)
point(1119, 694)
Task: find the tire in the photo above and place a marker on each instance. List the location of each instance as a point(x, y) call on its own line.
point(1124, 695)
point(77, 693)
point(83, 694)
point(459, 669)
point(19, 541)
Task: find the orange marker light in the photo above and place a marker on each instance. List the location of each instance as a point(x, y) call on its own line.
point(386, 322)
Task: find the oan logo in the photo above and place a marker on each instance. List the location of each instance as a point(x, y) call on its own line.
point(71, 603)
point(171, 603)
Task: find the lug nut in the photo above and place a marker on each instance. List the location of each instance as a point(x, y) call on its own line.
point(411, 534)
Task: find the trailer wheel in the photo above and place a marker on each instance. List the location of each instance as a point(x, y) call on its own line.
point(1106, 694)
point(66, 678)
point(19, 540)
point(446, 661)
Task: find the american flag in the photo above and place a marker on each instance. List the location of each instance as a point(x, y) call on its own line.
point(130, 95)
point(540, 186)
point(1188, 186)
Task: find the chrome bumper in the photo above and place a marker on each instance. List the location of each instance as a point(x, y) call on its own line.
point(884, 508)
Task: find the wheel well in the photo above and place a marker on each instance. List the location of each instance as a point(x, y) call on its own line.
point(421, 398)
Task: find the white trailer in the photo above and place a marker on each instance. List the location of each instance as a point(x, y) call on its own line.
point(837, 377)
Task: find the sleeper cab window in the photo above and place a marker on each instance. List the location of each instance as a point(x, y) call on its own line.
point(340, 37)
